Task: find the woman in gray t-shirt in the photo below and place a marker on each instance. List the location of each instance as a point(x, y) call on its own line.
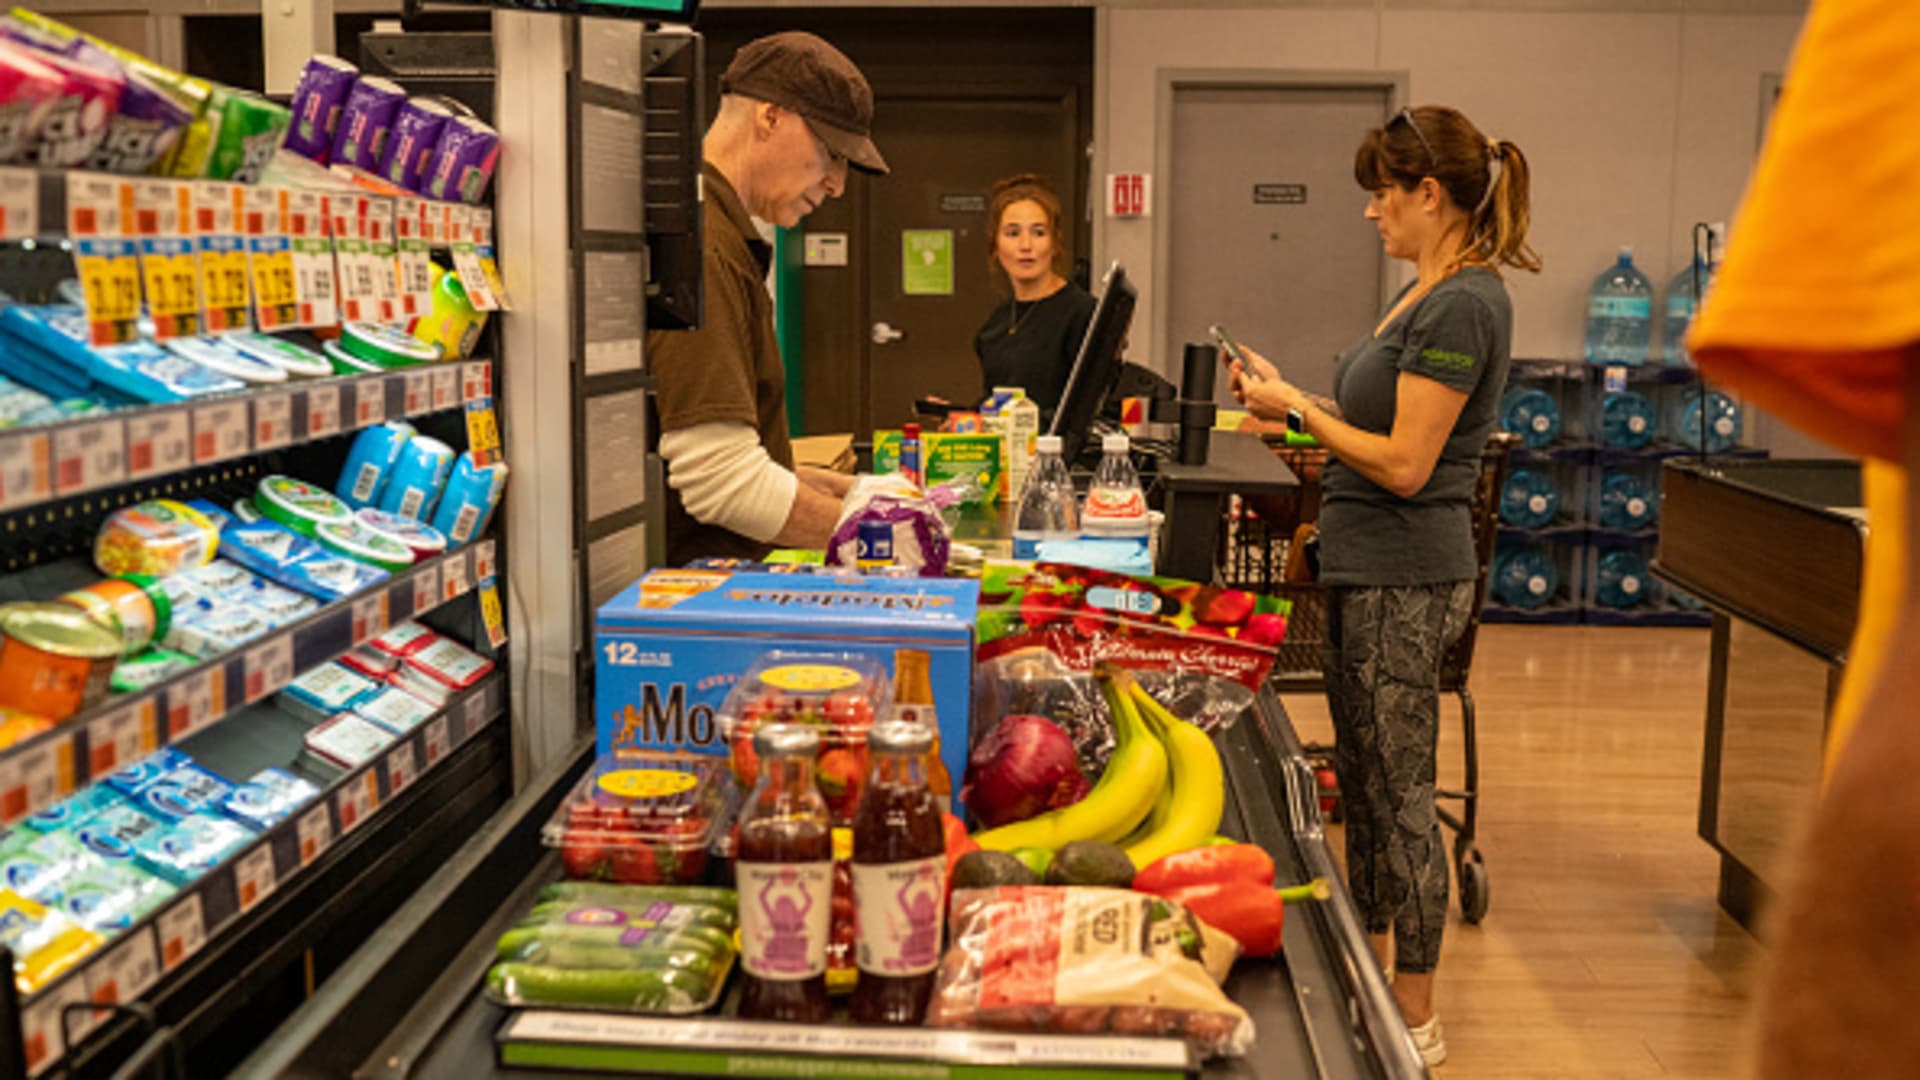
point(1414, 402)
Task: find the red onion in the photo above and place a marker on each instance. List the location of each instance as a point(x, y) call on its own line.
point(1024, 767)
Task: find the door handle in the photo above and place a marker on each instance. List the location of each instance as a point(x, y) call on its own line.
point(883, 334)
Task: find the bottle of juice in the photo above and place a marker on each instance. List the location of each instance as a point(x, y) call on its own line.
point(784, 873)
point(899, 879)
point(913, 700)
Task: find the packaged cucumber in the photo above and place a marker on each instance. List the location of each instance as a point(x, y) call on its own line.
point(644, 949)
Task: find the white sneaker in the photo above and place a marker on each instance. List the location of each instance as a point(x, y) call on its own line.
point(1431, 1042)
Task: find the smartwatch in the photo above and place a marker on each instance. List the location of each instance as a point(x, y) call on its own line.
point(1296, 421)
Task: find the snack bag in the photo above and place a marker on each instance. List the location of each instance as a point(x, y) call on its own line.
point(920, 540)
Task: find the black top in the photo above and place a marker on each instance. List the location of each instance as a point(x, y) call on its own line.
point(1038, 354)
point(1459, 335)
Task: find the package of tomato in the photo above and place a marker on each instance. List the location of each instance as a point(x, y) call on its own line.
point(642, 818)
point(838, 693)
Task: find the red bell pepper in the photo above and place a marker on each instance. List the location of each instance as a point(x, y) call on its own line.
point(1249, 912)
point(1245, 863)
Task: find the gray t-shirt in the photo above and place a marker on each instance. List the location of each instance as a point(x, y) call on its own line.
point(1459, 335)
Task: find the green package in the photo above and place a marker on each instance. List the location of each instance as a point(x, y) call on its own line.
point(945, 457)
point(251, 131)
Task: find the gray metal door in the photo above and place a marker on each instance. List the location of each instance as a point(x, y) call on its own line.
point(1266, 234)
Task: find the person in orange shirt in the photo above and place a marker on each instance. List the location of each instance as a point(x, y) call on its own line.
point(1815, 316)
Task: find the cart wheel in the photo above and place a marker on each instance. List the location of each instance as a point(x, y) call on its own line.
point(1475, 890)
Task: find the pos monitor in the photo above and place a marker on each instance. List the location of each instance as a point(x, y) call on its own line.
point(1097, 368)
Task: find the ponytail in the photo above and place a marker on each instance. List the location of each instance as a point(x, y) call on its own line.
point(1497, 227)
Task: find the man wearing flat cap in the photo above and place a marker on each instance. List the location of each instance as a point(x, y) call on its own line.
point(795, 114)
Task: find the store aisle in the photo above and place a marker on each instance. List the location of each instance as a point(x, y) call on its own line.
point(1604, 954)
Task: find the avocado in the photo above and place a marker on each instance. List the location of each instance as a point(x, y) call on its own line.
point(1036, 858)
point(1089, 862)
point(990, 869)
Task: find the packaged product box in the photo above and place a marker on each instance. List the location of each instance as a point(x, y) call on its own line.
point(669, 647)
point(948, 457)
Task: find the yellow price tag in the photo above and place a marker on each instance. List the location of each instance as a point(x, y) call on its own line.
point(275, 301)
point(483, 432)
point(223, 274)
point(810, 678)
point(491, 613)
point(173, 289)
point(110, 278)
point(646, 783)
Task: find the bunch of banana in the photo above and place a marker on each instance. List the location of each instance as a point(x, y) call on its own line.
point(1163, 790)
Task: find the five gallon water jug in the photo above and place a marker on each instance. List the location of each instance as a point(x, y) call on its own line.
point(1626, 503)
point(1532, 415)
point(1620, 315)
point(1621, 579)
point(1682, 302)
point(1047, 510)
point(1529, 500)
point(1717, 413)
point(1525, 577)
point(1626, 420)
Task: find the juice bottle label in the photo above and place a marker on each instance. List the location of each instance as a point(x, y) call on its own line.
point(784, 918)
point(898, 907)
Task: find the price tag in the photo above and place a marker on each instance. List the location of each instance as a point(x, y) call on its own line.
point(483, 560)
point(124, 972)
point(466, 259)
point(453, 578)
point(357, 801)
point(1616, 378)
point(218, 210)
point(89, 456)
point(195, 702)
point(269, 668)
point(19, 204)
point(419, 391)
point(163, 218)
point(98, 213)
point(476, 380)
point(253, 876)
point(426, 590)
point(370, 401)
point(369, 617)
point(158, 442)
point(359, 293)
point(323, 411)
point(26, 469)
point(36, 779)
point(183, 931)
point(121, 737)
point(479, 714)
point(276, 298)
point(416, 266)
point(438, 743)
point(316, 834)
point(446, 388)
point(489, 265)
point(401, 769)
point(382, 258)
point(219, 431)
point(40, 1024)
point(491, 612)
point(483, 432)
point(438, 219)
point(315, 287)
point(272, 421)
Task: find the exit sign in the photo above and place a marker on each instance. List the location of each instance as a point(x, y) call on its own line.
point(1128, 194)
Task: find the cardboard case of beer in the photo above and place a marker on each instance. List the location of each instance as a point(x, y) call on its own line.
point(669, 647)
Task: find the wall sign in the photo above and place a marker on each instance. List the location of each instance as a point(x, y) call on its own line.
point(1129, 194)
point(1279, 194)
point(926, 262)
point(963, 204)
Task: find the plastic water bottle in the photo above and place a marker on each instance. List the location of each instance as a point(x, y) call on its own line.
point(1532, 415)
point(1621, 579)
point(1627, 420)
point(1718, 414)
point(1626, 504)
point(1530, 500)
point(1620, 315)
point(1682, 302)
point(1047, 510)
point(1525, 577)
point(1116, 507)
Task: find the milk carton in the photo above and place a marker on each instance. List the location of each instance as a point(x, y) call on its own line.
point(1021, 416)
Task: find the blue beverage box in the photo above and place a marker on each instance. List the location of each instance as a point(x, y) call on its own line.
point(669, 647)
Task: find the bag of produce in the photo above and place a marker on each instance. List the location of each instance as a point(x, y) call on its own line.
point(1083, 961)
point(643, 949)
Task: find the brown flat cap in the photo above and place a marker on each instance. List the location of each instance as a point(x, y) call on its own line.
point(801, 72)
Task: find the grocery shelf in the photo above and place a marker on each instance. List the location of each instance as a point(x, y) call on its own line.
point(42, 463)
point(204, 933)
point(38, 772)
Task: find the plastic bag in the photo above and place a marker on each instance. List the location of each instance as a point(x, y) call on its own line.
point(643, 949)
point(1083, 961)
point(920, 539)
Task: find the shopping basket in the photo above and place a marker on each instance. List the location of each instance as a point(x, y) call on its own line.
point(1256, 543)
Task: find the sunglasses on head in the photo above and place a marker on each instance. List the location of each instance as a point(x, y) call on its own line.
point(1407, 115)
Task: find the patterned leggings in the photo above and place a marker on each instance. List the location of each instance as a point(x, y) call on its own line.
point(1382, 666)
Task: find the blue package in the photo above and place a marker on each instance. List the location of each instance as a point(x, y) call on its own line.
point(110, 898)
point(36, 370)
point(269, 798)
point(130, 779)
point(268, 548)
point(333, 577)
point(113, 832)
point(69, 812)
point(181, 793)
point(472, 493)
point(37, 867)
point(209, 627)
point(282, 606)
point(215, 580)
point(143, 371)
point(330, 688)
point(220, 518)
point(418, 478)
point(370, 463)
point(185, 851)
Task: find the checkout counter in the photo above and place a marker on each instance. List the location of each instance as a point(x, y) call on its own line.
point(1776, 550)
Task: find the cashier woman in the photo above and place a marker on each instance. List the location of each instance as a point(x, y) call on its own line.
point(1031, 340)
point(1413, 406)
point(795, 114)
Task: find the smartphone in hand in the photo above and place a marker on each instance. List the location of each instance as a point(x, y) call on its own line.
point(1230, 350)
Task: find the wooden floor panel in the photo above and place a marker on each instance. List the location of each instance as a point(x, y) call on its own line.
point(1604, 954)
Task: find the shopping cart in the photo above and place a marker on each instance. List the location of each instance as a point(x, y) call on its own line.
point(1256, 542)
